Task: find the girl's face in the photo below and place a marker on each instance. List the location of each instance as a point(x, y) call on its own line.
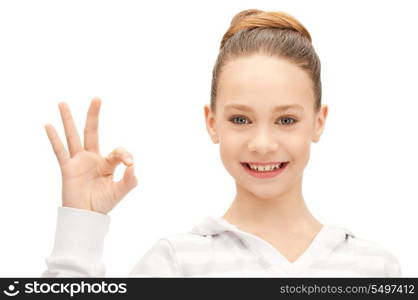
point(265, 113)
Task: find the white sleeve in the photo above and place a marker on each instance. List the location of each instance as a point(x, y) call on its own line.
point(392, 266)
point(78, 245)
point(159, 261)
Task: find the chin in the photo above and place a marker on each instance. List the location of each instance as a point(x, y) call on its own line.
point(266, 192)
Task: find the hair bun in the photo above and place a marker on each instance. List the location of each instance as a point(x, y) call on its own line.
point(243, 14)
point(255, 18)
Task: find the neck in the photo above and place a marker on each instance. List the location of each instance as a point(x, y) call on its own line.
point(284, 213)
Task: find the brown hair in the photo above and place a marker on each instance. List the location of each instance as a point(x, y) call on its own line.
point(272, 33)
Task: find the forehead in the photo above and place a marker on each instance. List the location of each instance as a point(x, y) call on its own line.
point(264, 81)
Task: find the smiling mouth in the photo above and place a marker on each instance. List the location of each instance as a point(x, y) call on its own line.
point(281, 165)
point(265, 174)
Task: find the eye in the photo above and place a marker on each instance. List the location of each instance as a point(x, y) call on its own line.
point(287, 120)
point(287, 123)
point(237, 118)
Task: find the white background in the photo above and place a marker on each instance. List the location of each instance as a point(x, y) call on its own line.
point(151, 63)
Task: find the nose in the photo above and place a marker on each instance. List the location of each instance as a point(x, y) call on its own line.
point(263, 143)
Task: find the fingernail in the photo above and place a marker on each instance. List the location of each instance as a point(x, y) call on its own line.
point(129, 160)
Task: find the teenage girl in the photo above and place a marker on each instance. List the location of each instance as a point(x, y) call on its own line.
point(265, 111)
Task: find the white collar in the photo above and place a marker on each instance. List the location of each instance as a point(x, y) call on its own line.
point(329, 237)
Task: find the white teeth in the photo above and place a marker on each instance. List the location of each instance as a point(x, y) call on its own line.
point(264, 168)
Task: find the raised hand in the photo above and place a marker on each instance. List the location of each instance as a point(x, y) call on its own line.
point(87, 177)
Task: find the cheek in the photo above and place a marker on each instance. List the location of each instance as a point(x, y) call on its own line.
point(299, 149)
point(229, 141)
point(230, 155)
point(230, 147)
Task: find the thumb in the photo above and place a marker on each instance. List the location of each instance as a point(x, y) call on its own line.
point(127, 183)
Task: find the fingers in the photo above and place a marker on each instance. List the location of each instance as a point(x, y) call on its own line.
point(119, 155)
point(129, 180)
point(91, 137)
point(73, 139)
point(57, 145)
point(127, 183)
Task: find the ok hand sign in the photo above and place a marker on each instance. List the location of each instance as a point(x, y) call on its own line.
point(87, 177)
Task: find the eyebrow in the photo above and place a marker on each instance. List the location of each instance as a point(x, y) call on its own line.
point(277, 108)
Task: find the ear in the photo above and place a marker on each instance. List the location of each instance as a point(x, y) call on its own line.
point(320, 119)
point(210, 124)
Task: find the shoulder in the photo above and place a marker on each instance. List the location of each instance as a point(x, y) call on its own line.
point(165, 256)
point(372, 255)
